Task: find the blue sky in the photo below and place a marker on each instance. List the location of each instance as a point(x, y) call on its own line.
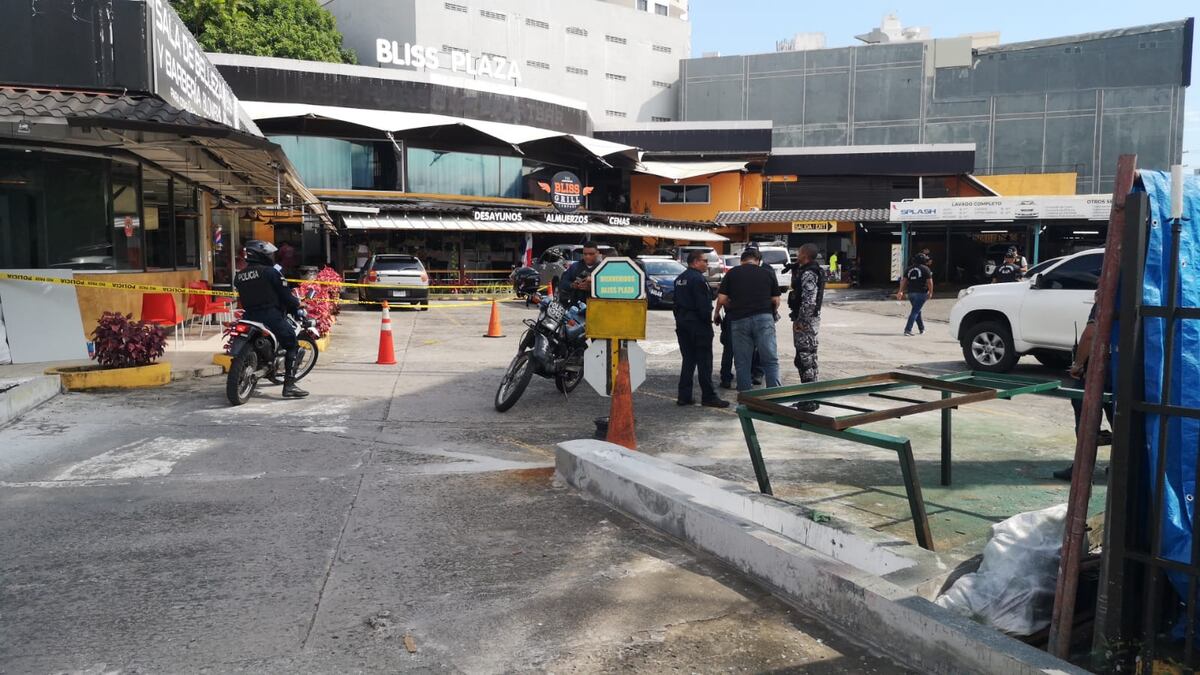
point(753, 26)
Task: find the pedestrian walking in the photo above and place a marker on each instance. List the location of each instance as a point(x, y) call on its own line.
point(693, 303)
point(749, 296)
point(804, 301)
point(917, 282)
point(1078, 370)
point(835, 272)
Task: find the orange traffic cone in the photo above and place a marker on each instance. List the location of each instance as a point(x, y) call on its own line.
point(620, 414)
point(550, 289)
point(494, 330)
point(387, 352)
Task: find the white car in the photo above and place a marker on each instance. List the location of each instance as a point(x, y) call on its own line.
point(776, 257)
point(1041, 315)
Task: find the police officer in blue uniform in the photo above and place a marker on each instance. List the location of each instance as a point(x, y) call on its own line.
point(693, 307)
point(266, 298)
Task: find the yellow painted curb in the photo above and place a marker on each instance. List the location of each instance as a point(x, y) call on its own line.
point(837, 284)
point(223, 360)
point(323, 343)
point(94, 377)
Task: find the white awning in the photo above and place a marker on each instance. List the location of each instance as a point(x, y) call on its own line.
point(682, 170)
point(418, 223)
point(391, 121)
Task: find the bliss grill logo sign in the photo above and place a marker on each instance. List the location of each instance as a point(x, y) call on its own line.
point(566, 192)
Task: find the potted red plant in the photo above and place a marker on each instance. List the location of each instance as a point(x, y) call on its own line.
point(125, 353)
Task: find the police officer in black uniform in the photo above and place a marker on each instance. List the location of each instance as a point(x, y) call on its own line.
point(1009, 270)
point(266, 298)
point(693, 306)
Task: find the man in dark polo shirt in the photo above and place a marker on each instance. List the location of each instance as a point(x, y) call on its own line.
point(749, 297)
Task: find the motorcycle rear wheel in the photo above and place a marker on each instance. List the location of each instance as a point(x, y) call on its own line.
point(567, 380)
point(241, 381)
point(514, 382)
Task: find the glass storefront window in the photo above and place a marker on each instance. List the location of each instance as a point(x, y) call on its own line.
point(126, 223)
point(91, 213)
point(157, 220)
point(187, 225)
point(336, 164)
point(463, 173)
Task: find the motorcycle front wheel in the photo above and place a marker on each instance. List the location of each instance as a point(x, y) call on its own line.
point(241, 381)
point(306, 358)
point(515, 380)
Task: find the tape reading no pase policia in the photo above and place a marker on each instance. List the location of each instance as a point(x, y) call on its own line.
point(129, 286)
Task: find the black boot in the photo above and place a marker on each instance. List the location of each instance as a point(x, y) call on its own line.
point(290, 390)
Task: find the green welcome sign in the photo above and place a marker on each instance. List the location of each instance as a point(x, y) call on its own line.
point(619, 279)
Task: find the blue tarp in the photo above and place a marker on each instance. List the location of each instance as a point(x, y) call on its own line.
point(1183, 435)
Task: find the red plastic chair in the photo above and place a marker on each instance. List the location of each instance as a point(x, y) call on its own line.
point(205, 306)
point(159, 309)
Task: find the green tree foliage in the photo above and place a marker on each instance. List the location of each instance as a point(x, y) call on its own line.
point(293, 29)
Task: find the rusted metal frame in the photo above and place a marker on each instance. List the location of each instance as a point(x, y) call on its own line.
point(1062, 619)
point(901, 446)
point(1112, 627)
point(947, 439)
point(966, 394)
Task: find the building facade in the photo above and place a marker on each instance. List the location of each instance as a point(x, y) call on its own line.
point(1064, 105)
point(619, 56)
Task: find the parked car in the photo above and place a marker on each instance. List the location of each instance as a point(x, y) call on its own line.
point(777, 256)
point(1041, 315)
point(393, 269)
point(716, 266)
point(660, 279)
point(555, 260)
point(731, 261)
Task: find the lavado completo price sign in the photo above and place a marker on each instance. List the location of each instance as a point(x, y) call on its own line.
point(619, 279)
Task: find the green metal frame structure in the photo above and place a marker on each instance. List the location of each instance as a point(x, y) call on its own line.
point(775, 406)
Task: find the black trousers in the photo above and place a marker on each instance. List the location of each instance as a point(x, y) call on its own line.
point(695, 344)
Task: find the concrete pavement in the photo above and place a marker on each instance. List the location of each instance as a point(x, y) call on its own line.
point(391, 521)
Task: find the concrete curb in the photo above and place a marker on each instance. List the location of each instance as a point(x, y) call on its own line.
point(28, 395)
point(202, 371)
point(865, 587)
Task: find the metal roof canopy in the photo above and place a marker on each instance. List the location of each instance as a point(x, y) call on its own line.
point(242, 169)
point(417, 223)
point(678, 171)
point(396, 122)
point(797, 215)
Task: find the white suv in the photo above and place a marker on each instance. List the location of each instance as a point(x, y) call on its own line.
point(1041, 315)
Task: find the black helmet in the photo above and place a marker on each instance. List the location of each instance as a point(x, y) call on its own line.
point(261, 252)
point(526, 281)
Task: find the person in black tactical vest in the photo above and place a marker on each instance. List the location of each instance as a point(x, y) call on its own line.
point(693, 305)
point(917, 282)
point(266, 298)
point(1009, 270)
point(804, 301)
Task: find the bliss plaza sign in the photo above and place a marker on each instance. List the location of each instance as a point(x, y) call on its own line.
point(421, 56)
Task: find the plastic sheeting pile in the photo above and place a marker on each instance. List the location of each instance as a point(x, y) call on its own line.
point(1013, 590)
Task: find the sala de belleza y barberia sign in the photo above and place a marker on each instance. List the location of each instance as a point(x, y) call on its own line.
point(183, 75)
point(457, 61)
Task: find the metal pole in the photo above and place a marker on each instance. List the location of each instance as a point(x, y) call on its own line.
point(1063, 618)
point(947, 442)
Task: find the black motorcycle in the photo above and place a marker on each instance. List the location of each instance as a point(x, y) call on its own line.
point(552, 347)
point(256, 354)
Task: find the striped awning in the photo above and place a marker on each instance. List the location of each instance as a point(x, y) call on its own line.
point(435, 224)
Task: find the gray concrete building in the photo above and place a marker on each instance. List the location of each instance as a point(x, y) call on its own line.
point(619, 56)
point(1069, 104)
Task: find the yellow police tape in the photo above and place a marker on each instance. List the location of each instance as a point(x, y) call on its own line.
point(115, 285)
point(129, 286)
point(348, 284)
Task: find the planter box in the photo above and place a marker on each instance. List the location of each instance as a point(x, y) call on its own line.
point(95, 377)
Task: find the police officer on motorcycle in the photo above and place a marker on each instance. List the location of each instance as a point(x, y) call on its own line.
point(266, 298)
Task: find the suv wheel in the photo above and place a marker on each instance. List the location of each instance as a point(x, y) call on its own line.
point(988, 346)
point(1054, 359)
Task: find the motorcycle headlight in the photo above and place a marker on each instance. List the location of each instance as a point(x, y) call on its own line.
point(965, 292)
